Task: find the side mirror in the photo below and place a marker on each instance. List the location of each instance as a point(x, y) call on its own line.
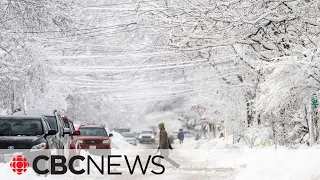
point(66, 131)
point(51, 132)
point(76, 132)
point(110, 135)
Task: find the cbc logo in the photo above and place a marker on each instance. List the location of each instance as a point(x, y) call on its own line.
point(19, 164)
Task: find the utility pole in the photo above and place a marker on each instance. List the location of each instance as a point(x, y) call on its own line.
point(314, 103)
point(311, 135)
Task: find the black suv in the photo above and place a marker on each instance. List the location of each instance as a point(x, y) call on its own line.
point(62, 136)
point(20, 133)
point(26, 132)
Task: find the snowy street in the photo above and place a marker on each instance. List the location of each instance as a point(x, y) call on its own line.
point(190, 167)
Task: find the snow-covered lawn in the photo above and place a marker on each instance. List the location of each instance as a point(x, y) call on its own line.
point(263, 163)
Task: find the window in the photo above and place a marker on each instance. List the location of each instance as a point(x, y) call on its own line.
point(53, 122)
point(146, 132)
point(128, 134)
point(66, 123)
point(71, 126)
point(93, 132)
point(15, 127)
point(60, 123)
point(122, 130)
point(47, 126)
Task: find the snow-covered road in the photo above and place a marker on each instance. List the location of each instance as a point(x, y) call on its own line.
point(199, 160)
point(190, 167)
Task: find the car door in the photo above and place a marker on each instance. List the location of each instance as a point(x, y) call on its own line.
point(56, 138)
point(60, 136)
point(73, 138)
point(50, 139)
point(66, 137)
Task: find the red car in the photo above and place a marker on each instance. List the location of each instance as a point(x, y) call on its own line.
point(95, 139)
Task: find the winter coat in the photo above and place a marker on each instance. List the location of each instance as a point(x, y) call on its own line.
point(181, 135)
point(164, 144)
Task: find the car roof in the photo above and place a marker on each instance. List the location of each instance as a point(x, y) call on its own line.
point(91, 126)
point(127, 133)
point(65, 118)
point(20, 117)
point(35, 112)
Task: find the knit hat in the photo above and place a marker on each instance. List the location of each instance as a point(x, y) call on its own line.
point(161, 126)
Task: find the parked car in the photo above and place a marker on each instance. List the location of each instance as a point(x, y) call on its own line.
point(146, 136)
point(95, 138)
point(62, 136)
point(187, 134)
point(174, 134)
point(20, 133)
point(130, 138)
point(136, 135)
point(170, 137)
point(154, 129)
point(121, 130)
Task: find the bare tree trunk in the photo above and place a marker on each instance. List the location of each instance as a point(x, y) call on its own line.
point(316, 124)
point(274, 134)
point(13, 97)
point(249, 113)
point(259, 119)
point(311, 128)
point(306, 117)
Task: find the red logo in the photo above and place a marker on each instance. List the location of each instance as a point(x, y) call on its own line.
point(19, 164)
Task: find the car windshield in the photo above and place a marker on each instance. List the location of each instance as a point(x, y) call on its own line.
point(66, 123)
point(15, 127)
point(122, 130)
point(126, 134)
point(146, 132)
point(92, 132)
point(53, 122)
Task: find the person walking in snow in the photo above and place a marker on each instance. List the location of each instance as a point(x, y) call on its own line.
point(181, 136)
point(164, 146)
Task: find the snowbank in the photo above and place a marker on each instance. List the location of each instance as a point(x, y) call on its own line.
point(263, 163)
point(281, 164)
point(119, 142)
